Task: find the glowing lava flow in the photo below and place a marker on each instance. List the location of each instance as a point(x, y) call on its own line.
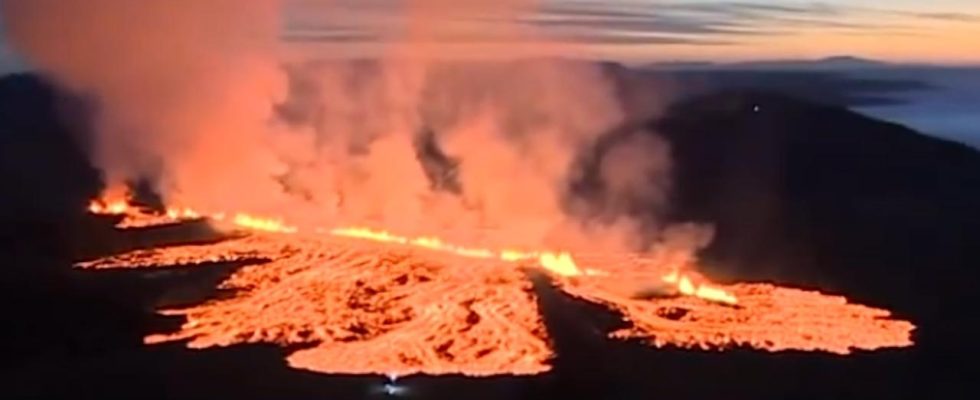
point(262, 224)
point(686, 287)
point(114, 201)
point(356, 300)
point(560, 263)
point(117, 202)
point(360, 306)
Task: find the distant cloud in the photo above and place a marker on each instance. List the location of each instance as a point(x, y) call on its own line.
point(328, 35)
point(615, 22)
point(596, 20)
point(586, 22)
point(754, 9)
point(736, 20)
point(948, 16)
point(716, 18)
point(608, 37)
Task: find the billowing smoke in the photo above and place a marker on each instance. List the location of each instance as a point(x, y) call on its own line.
point(184, 86)
point(196, 96)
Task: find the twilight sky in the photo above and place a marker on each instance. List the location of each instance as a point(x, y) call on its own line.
point(937, 31)
point(932, 31)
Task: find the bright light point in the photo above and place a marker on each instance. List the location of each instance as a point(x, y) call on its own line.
point(394, 390)
point(561, 264)
point(262, 224)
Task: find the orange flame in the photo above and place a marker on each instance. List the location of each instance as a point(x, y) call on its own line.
point(116, 202)
point(180, 213)
point(557, 263)
point(262, 224)
point(686, 287)
point(290, 300)
point(113, 201)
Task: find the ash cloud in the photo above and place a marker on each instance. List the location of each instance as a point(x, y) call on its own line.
point(197, 97)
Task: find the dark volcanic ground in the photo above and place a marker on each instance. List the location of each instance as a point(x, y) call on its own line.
point(801, 194)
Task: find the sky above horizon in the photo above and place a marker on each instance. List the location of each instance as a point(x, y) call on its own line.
point(934, 31)
point(919, 31)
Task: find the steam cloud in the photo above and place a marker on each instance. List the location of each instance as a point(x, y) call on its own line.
point(196, 96)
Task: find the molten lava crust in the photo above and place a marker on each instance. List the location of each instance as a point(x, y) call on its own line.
point(355, 300)
point(363, 307)
point(767, 317)
point(376, 303)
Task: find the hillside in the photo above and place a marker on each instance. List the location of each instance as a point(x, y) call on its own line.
point(819, 196)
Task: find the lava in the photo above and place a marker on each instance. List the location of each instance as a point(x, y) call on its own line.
point(362, 307)
point(560, 263)
point(261, 224)
point(356, 300)
point(767, 317)
point(114, 201)
point(704, 291)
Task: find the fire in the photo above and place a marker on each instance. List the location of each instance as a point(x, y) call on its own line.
point(376, 307)
point(114, 201)
point(182, 213)
point(262, 224)
point(115, 208)
point(560, 263)
point(396, 303)
point(360, 308)
point(686, 287)
point(117, 202)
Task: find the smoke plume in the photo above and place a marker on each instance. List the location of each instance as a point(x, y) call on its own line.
point(196, 96)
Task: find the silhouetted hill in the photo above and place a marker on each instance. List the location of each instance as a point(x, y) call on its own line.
point(814, 195)
point(819, 196)
point(835, 63)
point(779, 176)
point(43, 166)
point(45, 177)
